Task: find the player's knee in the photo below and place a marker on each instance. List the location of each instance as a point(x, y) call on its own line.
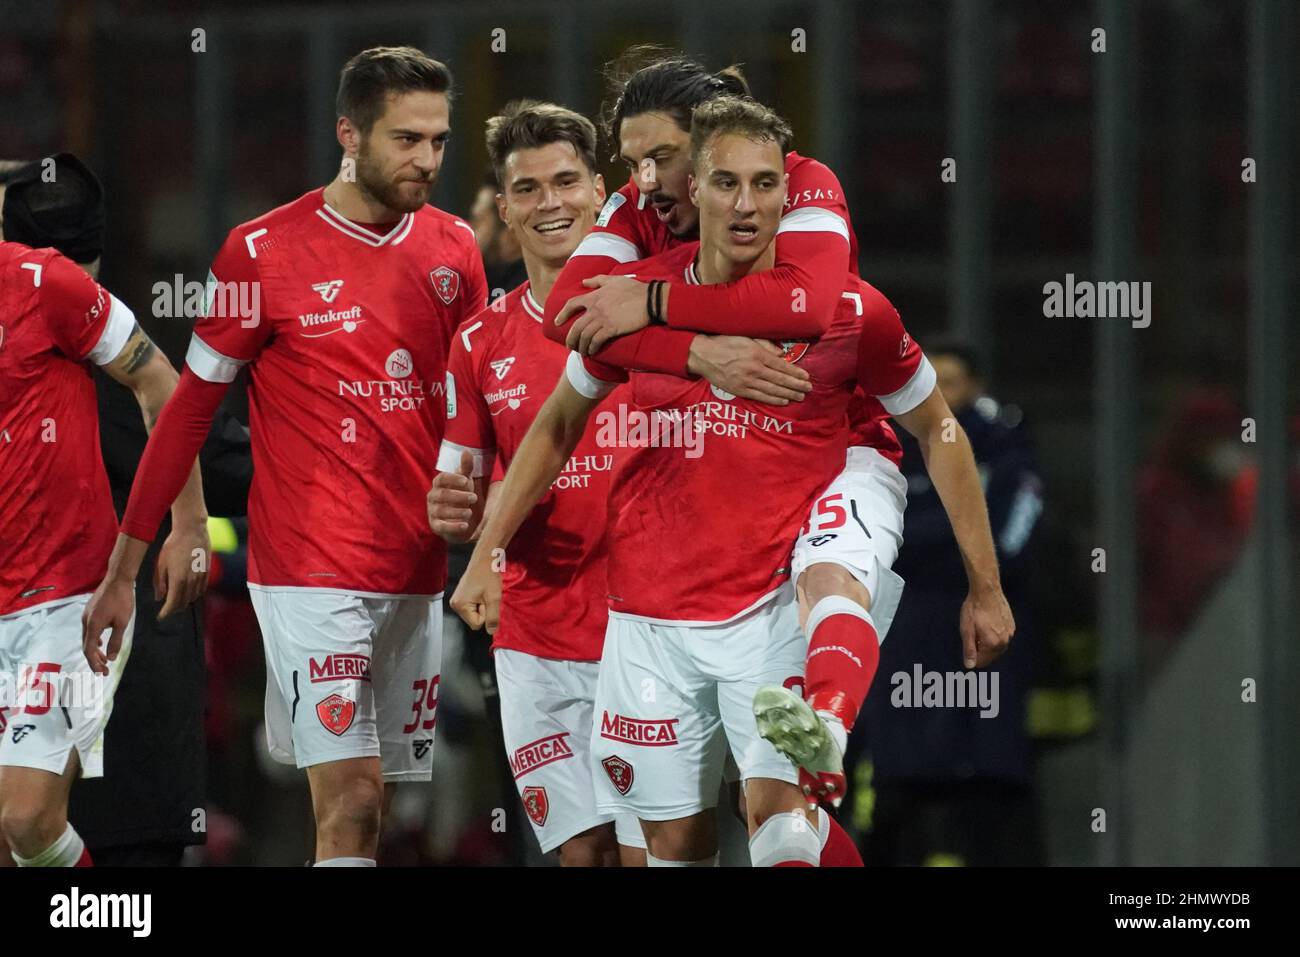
point(595, 847)
point(354, 809)
point(685, 839)
point(29, 827)
point(827, 579)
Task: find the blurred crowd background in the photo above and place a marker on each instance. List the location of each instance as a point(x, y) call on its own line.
point(1144, 482)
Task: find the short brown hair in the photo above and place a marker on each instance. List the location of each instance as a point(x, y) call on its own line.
point(370, 76)
point(527, 124)
point(741, 115)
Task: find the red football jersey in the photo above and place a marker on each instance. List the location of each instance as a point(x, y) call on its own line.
point(553, 586)
point(628, 228)
point(702, 540)
point(57, 524)
point(347, 364)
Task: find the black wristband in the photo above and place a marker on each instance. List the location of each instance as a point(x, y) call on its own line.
point(653, 301)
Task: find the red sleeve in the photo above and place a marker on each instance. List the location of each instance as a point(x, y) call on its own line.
point(170, 453)
point(234, 328)
point(232, 332)
point(75, 307)
point(469, 424)
point(615, 241)
point(799, 295)
point(891, 365)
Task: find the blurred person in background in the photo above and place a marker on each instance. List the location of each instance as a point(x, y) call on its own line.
point(150, 804)
point(1196, 499)
point(953, 787)
point(503, 259)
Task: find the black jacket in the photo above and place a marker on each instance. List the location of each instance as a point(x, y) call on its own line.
point(155, 756)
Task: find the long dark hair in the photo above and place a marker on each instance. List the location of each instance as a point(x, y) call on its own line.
point(653, 79)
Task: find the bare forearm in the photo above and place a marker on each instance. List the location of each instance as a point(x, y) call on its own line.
point(951, 466)
point(537, 463)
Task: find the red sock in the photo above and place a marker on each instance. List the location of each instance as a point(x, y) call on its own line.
point(839, 849)
point(792, 864)
point(843, 653)
point(85, 861)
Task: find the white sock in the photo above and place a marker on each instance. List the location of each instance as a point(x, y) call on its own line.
point(786, 837)
point(346, 862)
point(64, 852)
point(836, 728)
point(652, 861)
point(823, 829)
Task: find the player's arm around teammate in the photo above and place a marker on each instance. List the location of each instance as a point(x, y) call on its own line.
point(541, 457)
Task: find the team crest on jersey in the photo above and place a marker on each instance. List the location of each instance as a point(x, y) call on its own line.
point(336, 713)
point(536, 804)
point(446, 283)
point(619, 771)
point(792, 350)
point(502, 366)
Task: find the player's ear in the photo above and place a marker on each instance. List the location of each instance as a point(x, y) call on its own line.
point(785, 188)
point(600, 189)
point(348, 135)
point(501, 208)
point(693, 189)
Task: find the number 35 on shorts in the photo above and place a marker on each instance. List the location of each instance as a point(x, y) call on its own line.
point(827, 515)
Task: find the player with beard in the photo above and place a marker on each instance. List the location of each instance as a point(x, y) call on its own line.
point(342, 305)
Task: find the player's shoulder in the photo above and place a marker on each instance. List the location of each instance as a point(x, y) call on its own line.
point(14, 255)
point(811, 182)
point(870, 300)
point(671, 264)
point(263, 233)
point(435, 222)
point(485, 328)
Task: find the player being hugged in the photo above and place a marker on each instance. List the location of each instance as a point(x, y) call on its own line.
point(846, 588)
point(702, 612)
point(342, 305)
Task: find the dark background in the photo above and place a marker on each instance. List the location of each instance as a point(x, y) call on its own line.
point(1124, 165)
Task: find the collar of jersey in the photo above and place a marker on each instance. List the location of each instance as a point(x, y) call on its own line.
point(349, 228)
point(531, 306)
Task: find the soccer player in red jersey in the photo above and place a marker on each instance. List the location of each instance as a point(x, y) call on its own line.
point(342, 305)
point(548, 643)
point(701, 609)
point(58, 521)
point(846, 590)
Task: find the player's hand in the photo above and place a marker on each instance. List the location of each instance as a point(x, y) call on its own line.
point(614, 308)
point(182, 570)
point(450, 502)
point(749, 368)
point(477, 598)
point(986, 626)
point(111, 606)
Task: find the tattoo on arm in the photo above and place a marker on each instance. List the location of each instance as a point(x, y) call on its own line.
point(139, 350)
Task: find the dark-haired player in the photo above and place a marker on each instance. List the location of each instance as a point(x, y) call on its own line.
point(342, 305)
point(548, 644)
point(58, 524)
